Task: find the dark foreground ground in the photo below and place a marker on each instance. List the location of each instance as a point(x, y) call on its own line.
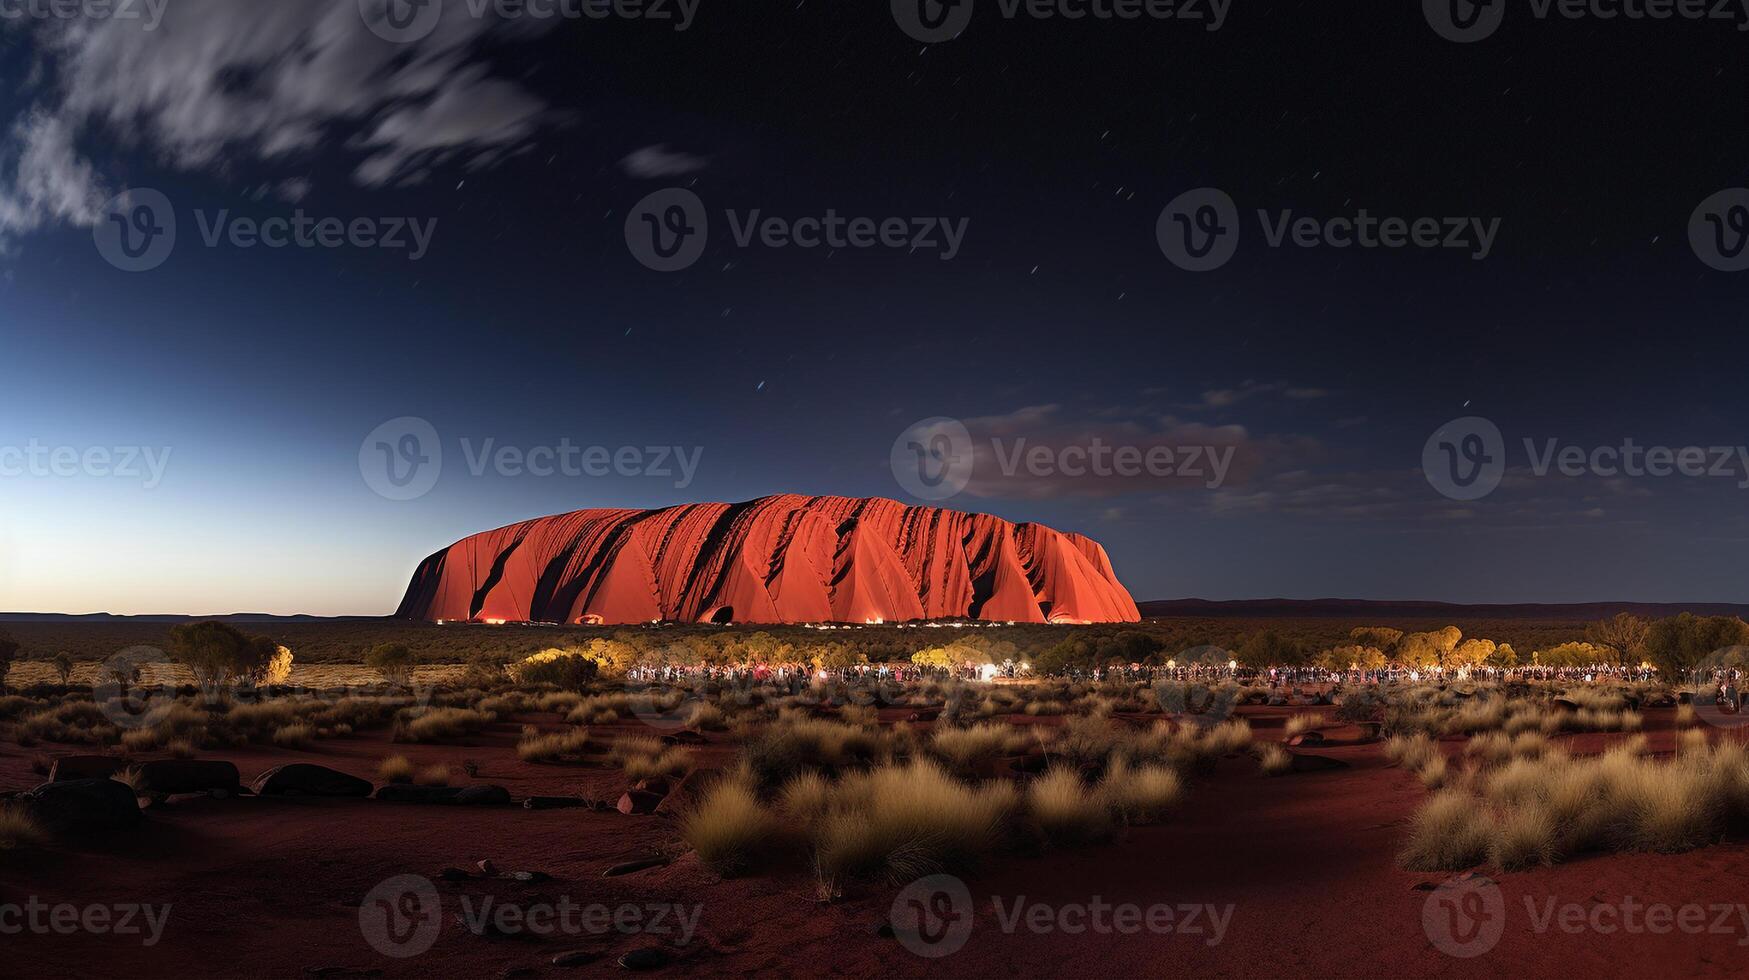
point(1297, 870)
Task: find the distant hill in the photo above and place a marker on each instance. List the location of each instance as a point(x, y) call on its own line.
point(1412, 609)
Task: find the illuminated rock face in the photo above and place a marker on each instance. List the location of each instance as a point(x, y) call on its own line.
point(782, 559)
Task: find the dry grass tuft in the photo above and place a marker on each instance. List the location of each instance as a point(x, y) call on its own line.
point(903, 822)
point(18, 831)
point(395, 769)
point(553, 746)
point(729, 828)
point(1272, 759)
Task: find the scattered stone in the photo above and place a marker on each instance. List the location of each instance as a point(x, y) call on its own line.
point(305, 779)
point(1307, 738)
point(407, 793)
point(83, 805)
point(647, 958)
point(655, 784)
point(486, 867)
point(576, 957)
point(884, 930)
point(455, 874)
point(639, 802)
point(168, 777)
point(483, 795)
point(70, 767)
point(1306, 762)
point(633, 867)
point(554, 802)
point(1566, 704)
point(527, 876)
point(685, 737)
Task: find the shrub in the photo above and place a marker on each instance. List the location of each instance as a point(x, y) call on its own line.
point(18, 831)
point(1064, 809)
point(219, 654)
point(567, 669)
point(706, 717)
point(395, 769)
point(440, 724)
point(537, 747)
point(1141, 795)
point(294, 736)
point(393, 660)
point(1524, 836)
point(1303, 722)
point(729, 828)
point(965, 749)
point(903, 822)
point(1272, 759)
point(1449, 833)
point(437, 775)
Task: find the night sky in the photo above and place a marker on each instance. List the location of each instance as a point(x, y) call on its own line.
point(1060, 320)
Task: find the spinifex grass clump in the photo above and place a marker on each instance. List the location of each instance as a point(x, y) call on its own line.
point(1546, 807)
point(538, 746)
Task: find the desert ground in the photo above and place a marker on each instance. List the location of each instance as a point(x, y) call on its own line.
point(1111, 827)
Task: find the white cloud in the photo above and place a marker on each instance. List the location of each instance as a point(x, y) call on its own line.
point(221, 81)
point(659, 161)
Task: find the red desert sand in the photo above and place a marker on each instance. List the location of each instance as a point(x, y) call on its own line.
point(1304, 860)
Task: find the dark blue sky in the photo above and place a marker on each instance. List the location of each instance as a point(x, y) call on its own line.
point(529, 321)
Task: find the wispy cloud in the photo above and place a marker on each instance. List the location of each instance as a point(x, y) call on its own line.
point(221, 82)
point(659, 161)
